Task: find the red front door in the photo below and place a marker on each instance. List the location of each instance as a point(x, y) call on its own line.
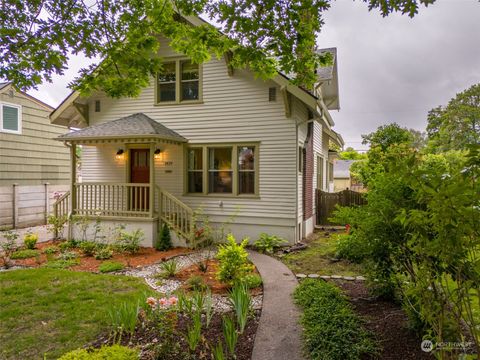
point(139, 173)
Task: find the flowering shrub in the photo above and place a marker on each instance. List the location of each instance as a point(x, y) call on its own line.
point(162, 303)
point(30, 240)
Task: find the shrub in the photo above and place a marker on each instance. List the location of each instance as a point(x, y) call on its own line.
point(164, 240)
point(331, 329)
point(8, 246)
point(169, 268)
point(110, 266)
point(30, 240)
point(88, 247)
point(50, 250)
point(129, 242)
point(113, 352)
point(57, 225)
point(61, 264)
point(24, 254)
point(233, 263)
point(67, 245)
point(67, 255)
point(196, 283)
point(103, 253)
point(269, 243)
point(252, 281)
point(351, 248)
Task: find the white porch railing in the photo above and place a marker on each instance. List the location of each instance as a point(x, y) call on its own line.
point(115, 200)
point(128, 200)
point(61, 207)
point(175, 213)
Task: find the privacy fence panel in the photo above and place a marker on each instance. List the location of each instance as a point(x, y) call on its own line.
point(27, 205)
point(326, 203)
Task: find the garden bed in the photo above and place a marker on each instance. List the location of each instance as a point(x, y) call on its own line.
point(147, 337)
point(386, 320)
point(144, 257)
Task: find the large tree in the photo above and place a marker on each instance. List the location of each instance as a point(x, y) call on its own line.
point(37, 37)
point(457, 125)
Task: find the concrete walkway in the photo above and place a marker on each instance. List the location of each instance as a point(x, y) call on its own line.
point(279, 334)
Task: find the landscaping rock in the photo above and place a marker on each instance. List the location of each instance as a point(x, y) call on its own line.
point(360, 278)
point(301, 276)
point(349, 278)
point(313, 276)
point(336, 277)
point(325, 277)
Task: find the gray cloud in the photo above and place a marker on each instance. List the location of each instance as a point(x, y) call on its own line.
point(396, 69)
point(392, 69)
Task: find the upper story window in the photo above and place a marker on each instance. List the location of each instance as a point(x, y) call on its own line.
point(10, 118)
point(179, 82)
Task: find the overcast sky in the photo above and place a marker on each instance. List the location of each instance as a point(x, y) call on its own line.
point(392, 69)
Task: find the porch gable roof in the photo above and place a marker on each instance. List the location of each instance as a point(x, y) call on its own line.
point(133, 126)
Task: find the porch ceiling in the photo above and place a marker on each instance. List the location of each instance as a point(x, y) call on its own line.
point(137, 127)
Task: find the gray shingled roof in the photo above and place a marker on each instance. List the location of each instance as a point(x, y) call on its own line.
point(133, 125)
point(341, 169)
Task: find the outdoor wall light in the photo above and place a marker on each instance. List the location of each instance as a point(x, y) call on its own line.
point(119, 154)
point(157, 153)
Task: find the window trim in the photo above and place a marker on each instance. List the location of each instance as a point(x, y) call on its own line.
point(320, 161)
point(178, 83)
point(8, 131)
point(235, 173)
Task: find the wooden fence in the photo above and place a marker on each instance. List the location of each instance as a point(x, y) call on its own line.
point(326, 203)
point(27, 205)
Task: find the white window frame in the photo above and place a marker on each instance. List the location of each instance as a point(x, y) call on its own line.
point(8, 131)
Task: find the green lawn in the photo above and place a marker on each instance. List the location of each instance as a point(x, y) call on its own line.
point(53, 311)
point(319, 258)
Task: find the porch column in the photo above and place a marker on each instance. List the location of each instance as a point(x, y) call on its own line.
point(73, 177)
point(152, 180)
point(73, 188)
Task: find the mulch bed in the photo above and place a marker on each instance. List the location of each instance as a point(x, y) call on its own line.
point(145, 257)
point(387, 321)
point(147, 336)
point(210, 277)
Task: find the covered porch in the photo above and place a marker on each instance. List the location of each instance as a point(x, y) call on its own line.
point(127, 151)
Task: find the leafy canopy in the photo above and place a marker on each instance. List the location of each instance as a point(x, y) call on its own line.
point(38, 37)
point(456, 125)
point(351, 154)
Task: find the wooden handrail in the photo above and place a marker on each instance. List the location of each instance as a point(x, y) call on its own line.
point(176, 214)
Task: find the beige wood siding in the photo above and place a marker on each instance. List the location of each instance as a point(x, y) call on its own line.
point(234, 109)
point(33, 157)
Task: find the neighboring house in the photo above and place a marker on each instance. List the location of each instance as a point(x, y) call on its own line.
point(204, 137)
point(342, 177)
point(32, 164)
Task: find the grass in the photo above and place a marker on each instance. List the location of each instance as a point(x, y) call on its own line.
point(110, 266)
point(319, 258)
point(46, 311)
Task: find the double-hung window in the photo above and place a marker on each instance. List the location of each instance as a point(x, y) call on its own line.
point(230, 169)
point(179, 82)
point(10, 118)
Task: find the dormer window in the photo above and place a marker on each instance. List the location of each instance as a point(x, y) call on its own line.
point(179, 82)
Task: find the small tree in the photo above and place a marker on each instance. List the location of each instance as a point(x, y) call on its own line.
point(164, 240)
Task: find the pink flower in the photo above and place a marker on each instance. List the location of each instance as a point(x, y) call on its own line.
point(163, 301)
point(173, 301)
point(151, 301)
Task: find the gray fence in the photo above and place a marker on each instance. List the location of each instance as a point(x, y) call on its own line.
point(27, 205)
